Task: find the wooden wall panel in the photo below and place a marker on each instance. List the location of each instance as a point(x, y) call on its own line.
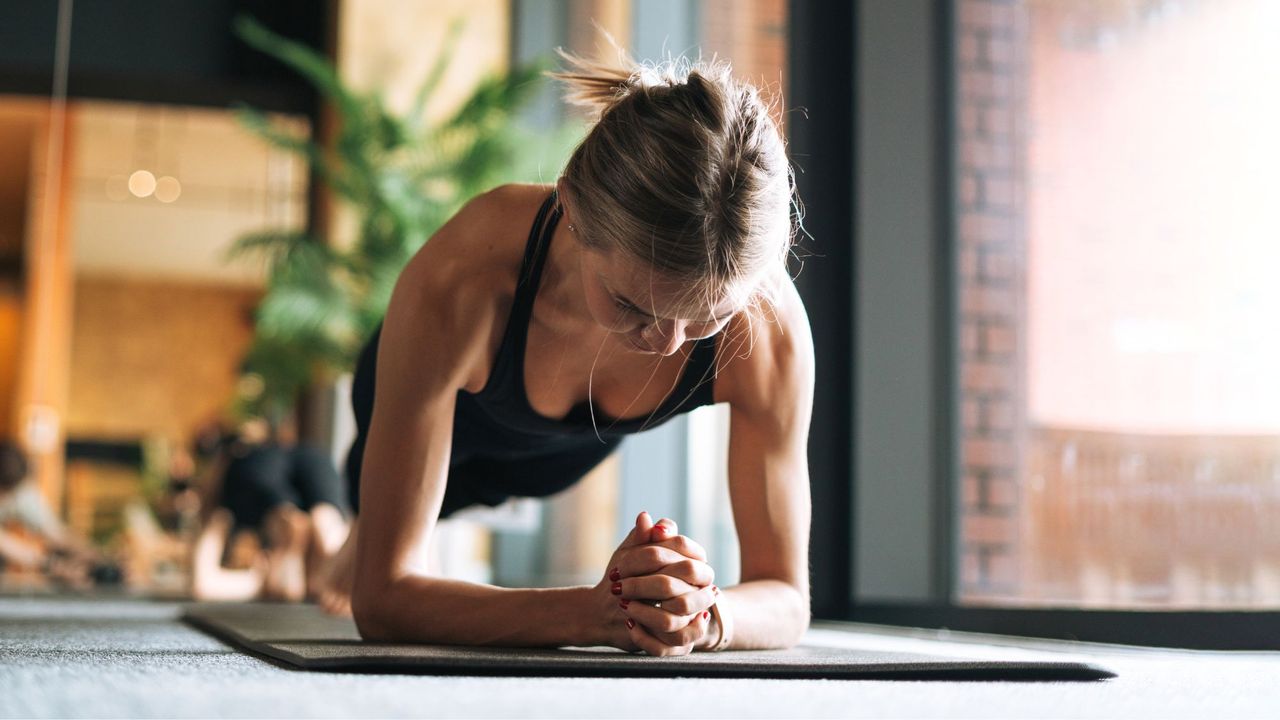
point(154, 356)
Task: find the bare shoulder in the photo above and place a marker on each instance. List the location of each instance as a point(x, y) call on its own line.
point(766, 354)
point(457, 289)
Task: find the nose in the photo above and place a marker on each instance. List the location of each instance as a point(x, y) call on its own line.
point(664, 337)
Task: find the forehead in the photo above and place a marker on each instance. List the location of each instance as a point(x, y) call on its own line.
point(639, 283)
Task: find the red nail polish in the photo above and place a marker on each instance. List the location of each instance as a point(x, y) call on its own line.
point(631, 624)
point(624, 604)
point(614, 575)
point(617, 588)
point(705, 614)
point(715, 589)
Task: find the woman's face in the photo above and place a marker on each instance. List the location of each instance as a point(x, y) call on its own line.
point(649, 314)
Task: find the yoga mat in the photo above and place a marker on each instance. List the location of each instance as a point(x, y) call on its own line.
point(306, 638)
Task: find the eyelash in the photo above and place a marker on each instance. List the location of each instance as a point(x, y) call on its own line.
point(624, 306)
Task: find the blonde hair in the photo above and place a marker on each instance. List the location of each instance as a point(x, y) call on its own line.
point(683, 168)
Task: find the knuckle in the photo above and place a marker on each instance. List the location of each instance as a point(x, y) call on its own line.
point(651, 555)
point(667, 585)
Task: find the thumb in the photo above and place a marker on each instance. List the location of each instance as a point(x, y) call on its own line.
point(639, 534)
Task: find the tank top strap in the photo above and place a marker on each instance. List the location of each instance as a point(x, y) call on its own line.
point(507, 372)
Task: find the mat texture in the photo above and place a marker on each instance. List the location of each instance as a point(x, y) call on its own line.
point(302, 636)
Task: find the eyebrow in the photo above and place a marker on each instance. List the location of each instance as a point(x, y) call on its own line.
point(633, 306)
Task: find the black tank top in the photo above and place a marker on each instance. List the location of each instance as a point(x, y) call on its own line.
point(498, 421)
point(501, 447)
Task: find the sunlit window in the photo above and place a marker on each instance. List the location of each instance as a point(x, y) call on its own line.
point(1117, 301)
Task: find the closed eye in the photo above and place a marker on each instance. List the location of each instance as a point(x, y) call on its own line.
point(623, 305)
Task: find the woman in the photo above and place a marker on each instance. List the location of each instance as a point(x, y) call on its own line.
point(513, 360)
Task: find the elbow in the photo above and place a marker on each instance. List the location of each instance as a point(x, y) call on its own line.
point(800, 617)
point(371, 612)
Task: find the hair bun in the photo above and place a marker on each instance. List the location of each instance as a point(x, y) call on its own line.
point(597, 86)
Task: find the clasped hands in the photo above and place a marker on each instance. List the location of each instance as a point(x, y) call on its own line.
point(660, 588)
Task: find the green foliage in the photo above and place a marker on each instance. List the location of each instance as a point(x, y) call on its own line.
point(405, 178)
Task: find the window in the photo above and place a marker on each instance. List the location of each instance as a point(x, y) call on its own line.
point(1119, 429)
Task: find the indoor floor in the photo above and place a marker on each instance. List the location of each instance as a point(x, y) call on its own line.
point(62, 657)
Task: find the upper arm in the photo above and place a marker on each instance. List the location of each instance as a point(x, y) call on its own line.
point(771, 399)
point(432, 334)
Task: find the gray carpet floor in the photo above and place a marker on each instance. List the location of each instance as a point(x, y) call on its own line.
point(129, 658)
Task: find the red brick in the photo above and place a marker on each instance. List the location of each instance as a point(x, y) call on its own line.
point(968, 48)
point(968, 189)
point(970, 414)
point(997, 121)
point(985, 84)
point(996, 413)
point(999, 339)
point(1000, 570)
point(985, 228)
point(970, 337)
point(970, 492)
point(985, 377)
point(989, 529)
point(997, 51)
point(987, 301)
point(970, 569)
point(1000, 492)
point(983, 15)
point(996, 266)
point(997, 192)
point(990, 154)
point(967, 263)
point(981, 453)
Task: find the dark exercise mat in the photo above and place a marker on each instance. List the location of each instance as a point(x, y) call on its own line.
point(303, 636)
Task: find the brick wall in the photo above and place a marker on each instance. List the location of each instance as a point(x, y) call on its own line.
point(154, 356)
point(752, 36)
point(991, 45)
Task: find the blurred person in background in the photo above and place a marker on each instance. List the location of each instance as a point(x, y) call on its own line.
point(258, 479)
point(32, 538)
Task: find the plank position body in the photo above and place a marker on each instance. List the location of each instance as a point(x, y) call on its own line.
point(512, 359)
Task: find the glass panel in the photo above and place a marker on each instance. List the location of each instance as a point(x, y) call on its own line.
point(1116, 259)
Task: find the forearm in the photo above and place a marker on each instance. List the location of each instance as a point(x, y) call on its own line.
point(434, 610)
point(766, 615)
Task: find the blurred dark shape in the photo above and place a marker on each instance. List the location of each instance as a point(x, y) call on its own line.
point(13, 465)
point(159, 51)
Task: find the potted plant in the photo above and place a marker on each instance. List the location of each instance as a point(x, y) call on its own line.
point(404, 177)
